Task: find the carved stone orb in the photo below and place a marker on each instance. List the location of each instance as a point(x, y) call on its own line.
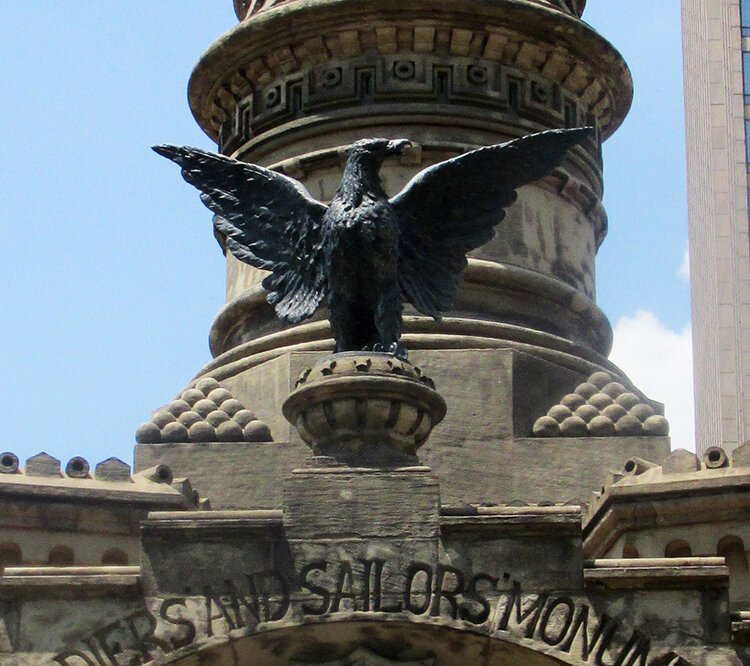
point(364, 408)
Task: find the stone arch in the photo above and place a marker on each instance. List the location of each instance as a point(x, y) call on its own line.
point(376, 643)
point(61, 556)
point(678, 548)
point(114, 557)
point(732, 549)
point(10, 555)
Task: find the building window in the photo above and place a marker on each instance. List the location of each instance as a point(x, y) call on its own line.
point(678, 548)
point(61, 556)
point(114, 557)
point(745, 14)
point(10, 555)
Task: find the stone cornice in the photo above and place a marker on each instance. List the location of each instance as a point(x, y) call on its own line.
point(76, 582)
point(670, 573)
point(530, 36)
point(549, 521)
point(704, 497)
point(244, 9)
point(200, 522)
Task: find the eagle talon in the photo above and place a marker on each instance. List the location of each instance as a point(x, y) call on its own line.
point(399, 351)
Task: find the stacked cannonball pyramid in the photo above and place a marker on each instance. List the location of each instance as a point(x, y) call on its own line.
point(601, 407)
point(204, 413)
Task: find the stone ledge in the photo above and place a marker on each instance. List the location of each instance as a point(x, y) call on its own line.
point(619, 574)
point(717, 497)
point(70, 581)
point(213, 520)
point(517, 521)
point(72, 490)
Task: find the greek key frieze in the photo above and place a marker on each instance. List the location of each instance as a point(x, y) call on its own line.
point(401, 80)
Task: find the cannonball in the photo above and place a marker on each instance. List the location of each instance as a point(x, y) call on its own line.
point(600, 379)
point(629, 425)
point(256, 431)
point(177, 407)
point(560, 413)
point(229, 431)
point(188, 418)
point(641, 411)
point(587, 412)
point(148, 433)
point(244, 416)
point(574, 425)
point(174, 432)
point(162, 418)
point(628, 400)
point(205, 407)
point(573, 401)
point(219, 395)
point(613, 389)
point(614, 412)
point(600, 400)
point(656, 425)
point(192, 395)
point(202, 432)
point(207, 384)
point(217, 417)
point(601, 426)
point(546, 426)
point(586, 390)
point(232, 406)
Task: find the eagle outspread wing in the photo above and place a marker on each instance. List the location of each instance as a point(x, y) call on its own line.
point(451, 208)
point(270, 221)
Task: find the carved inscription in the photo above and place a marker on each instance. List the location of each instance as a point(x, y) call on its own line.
point(567, 624)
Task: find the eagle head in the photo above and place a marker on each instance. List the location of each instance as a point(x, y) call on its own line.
point(377, 149)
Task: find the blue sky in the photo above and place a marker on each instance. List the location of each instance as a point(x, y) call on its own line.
point(112, 276)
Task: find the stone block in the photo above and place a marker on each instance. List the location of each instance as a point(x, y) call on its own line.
point(189, 559)
point(564, 469)
point(232, 475)
point(112, 469)
point(741, 455)
point(345, 503)
point(679, 461)
point(42, 464)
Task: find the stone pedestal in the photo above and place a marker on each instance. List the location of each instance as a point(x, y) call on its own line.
point(484, 451)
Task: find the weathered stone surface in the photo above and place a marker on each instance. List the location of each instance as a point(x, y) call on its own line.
point(112, 469)
point(680, 460)
point(340, 502)
point(234, 476)
point(42, 464)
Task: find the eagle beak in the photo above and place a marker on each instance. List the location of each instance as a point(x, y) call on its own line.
point(396, 147)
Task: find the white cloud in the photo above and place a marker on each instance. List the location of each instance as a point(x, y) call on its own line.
point(660, 363)
point(684, 272)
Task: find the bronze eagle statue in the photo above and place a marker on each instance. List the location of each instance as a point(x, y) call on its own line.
point(365, 252)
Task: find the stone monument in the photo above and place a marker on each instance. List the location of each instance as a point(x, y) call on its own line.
point(505, 496)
